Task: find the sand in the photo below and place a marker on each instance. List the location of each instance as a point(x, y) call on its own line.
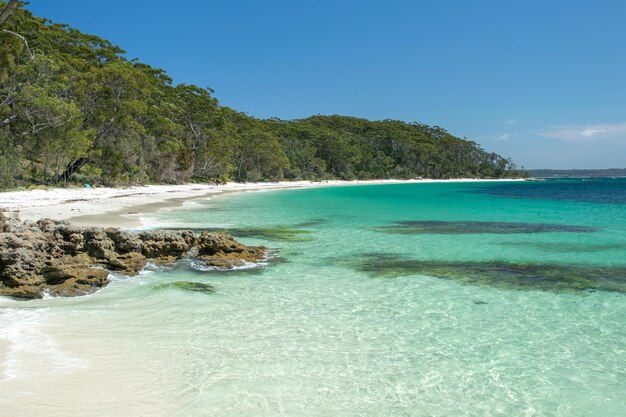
point(123, 207)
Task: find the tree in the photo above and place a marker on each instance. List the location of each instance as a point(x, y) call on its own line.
point(4, 15)
point(260, 157)
point(74, 108)
point(9, 7)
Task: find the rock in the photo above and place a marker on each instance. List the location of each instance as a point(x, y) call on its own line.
point(210, 244)
point(21, 260)
point(62, 259)
point(224, 252)
point(128, 263)
point(23, 291)
point(74, 280)
point(98, 244)
point(3, 222)
point(166, 243)
point(71, 240)
point(125, 241)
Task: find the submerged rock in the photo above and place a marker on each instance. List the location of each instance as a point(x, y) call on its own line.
point(295, 232)
point(188, 286)
point(565, 247)
point(549, 277)
point(471, 227)
point(62, 259)
point(279, 233)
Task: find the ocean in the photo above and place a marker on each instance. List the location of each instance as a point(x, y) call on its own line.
point(434, 299)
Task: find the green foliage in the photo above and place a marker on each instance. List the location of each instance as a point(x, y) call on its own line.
point(11, 48)
point(80, 110)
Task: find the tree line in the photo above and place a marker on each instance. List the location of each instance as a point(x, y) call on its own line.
point(74, 108)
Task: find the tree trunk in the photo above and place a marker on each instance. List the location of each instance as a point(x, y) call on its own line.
point(72, 168)
point(8, 9)
point(241, 159)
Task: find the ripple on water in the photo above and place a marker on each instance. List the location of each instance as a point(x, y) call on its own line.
point(311, 337)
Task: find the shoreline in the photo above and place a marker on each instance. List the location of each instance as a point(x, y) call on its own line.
point(123, 207)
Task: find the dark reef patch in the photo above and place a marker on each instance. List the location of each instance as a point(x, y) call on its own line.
point(473, 227)
point(276, 233)
point(310, 223)
point(187, 286)
point(548, 277)
point(281, 233)
point(291, 233)
point(565, 247)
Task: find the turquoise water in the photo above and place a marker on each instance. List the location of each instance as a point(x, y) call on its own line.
point(343, 321)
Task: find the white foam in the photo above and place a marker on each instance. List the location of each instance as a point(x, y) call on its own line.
point(30, 347)
point(201, 266)
point(46, 295)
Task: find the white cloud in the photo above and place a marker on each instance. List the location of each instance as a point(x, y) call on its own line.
point(587, 133)
point(510, 122)
point(590, 132)
point(504, 136)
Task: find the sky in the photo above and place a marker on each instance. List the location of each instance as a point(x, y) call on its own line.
point(543, 82)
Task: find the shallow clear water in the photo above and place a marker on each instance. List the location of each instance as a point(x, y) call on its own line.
point(317, 334)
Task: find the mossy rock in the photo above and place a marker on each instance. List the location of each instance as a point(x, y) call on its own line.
point(187, 286)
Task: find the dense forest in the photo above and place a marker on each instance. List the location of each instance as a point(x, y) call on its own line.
point(74, 108)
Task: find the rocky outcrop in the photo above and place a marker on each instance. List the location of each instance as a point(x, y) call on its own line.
point(222, 251)
point(62, 259)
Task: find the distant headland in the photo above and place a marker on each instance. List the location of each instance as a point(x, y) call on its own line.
point(577, 173)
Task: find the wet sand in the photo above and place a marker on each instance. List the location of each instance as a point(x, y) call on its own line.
point(130, 216)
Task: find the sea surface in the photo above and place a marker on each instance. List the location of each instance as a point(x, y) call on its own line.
point(434, 299)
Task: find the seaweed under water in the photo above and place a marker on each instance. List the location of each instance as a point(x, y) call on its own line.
point(476, 227)
point(565, 247)
point(293, 233)
point(309, 223)
point(548, 277)
point(187, 286)
point(281, 233)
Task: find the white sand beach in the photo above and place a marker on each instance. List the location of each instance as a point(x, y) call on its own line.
point(123, 207)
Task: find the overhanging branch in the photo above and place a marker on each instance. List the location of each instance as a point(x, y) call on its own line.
point(30, 53)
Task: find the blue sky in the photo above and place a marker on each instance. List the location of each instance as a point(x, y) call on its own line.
point(543, 82)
